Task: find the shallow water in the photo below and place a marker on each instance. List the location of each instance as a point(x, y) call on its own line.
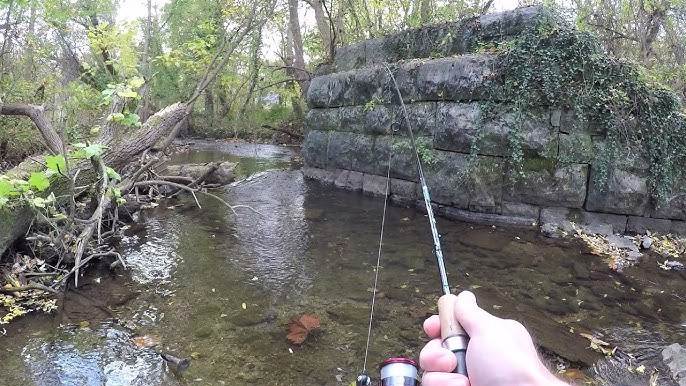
point(222, 289)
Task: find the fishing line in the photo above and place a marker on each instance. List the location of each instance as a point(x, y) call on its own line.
point(378, 257)
point(403, 371)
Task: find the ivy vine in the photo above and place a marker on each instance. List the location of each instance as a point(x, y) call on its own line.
point(553, 64)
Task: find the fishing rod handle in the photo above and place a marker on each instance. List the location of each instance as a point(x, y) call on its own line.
point(453, 335)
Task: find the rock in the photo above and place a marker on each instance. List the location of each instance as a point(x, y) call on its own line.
point(646, 242)
point(551, 230)
point(674, 357)
point(623, 242)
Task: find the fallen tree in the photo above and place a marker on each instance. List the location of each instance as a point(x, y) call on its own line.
point(82, 185)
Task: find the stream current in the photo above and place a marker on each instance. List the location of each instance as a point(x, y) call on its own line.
point(222, 289)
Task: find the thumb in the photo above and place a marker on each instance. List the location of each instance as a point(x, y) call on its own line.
point(469, 314)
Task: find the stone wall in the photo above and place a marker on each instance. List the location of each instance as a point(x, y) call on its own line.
point(355, 123)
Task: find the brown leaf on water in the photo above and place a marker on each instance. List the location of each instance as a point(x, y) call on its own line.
point(144, 341)
point(301, 328)
point(416, 313)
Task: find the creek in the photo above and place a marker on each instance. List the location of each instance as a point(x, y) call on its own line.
point(222, 288)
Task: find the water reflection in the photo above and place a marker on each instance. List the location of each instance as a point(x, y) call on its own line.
point(272, 245)
point(151, 252)
point(104, 356)
point(223, 288)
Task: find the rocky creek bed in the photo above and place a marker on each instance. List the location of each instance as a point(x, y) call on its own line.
point(222, 290)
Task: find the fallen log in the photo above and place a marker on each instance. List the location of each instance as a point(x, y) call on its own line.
point(120, 149)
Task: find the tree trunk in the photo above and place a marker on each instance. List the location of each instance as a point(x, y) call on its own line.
point(324, 27)
point(146, 105)
point(297, 70)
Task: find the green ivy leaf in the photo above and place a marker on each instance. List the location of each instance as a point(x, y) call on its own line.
point(6, 188)
point(88, 151)
point(127, 93)
point(136, 82)
point(39, 202)
point(39, 181)
point(112, 174)
point(56, 163)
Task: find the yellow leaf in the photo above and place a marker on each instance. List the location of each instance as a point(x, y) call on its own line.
point(641, 369)
point(244, 306)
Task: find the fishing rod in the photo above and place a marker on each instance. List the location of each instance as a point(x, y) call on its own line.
point(403, 371)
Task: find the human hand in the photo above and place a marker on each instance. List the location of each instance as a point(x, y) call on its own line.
point(500, 351)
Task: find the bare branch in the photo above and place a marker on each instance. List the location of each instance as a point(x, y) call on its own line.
point(28, 287)
point(37, 115)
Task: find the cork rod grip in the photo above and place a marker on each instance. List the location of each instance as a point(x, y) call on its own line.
point(453, 335)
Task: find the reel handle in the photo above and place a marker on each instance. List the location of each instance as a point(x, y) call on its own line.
point(453, 335)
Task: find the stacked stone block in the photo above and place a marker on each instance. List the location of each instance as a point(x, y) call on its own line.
point(356, 122)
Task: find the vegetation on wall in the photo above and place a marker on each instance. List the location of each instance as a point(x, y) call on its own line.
point(555, 64)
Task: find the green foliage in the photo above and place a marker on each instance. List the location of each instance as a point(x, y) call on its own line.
point(424, 148)
point(553, 64)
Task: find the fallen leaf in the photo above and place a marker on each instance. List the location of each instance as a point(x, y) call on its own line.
point(144, 341)
point(300, 329)
point(244, 306)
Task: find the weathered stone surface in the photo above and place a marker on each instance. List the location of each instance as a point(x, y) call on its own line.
point(642, 224)
point(350, 126)
point(538, 136)
point(599, 223)
point(325, 176)
point(517, 209)
point(674, 357)
point(452, 181)
point(547, 184)
point(378, 119)
point(323, 119)
point(421, 116)
point(406, 79)
point(430, 41)
point(624, 192)
point(404, 188)
point(349, 180)
point(463, 78)
point(341, 149)
point(363, 158)
point(314, 148)
point(485, 184)
point(571, 122)
point(678, 227)
point(370, 85)
point(483, 218)
point(503, 24)
point(350, 57)
point(618, 222)
point(403, 162)
point(675, 206)
point(458, 126)
point(374, 185)
point(387, 49)
point(352, 119)
point(332, 90)
point(576, 147)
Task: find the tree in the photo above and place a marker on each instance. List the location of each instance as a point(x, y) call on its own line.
point(121, 139)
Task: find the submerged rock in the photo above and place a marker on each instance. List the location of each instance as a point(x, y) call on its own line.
point(674, 357)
